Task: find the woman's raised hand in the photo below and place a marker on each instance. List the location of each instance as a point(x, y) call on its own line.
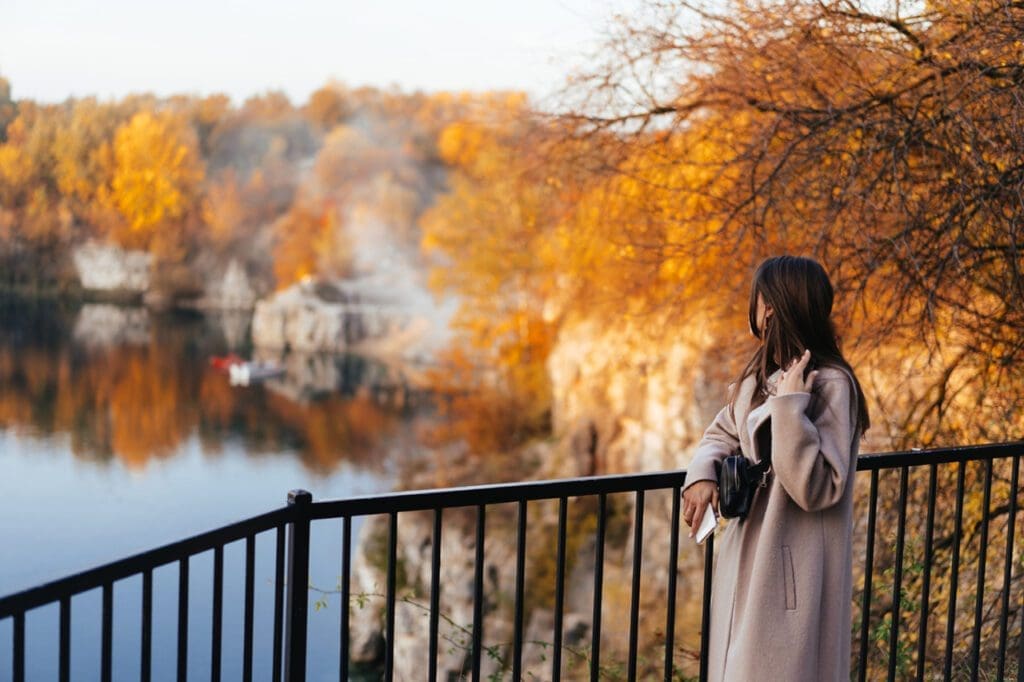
point(792, 379)
point(696, 499)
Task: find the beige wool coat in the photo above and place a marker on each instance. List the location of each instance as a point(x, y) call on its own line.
point(782, 584)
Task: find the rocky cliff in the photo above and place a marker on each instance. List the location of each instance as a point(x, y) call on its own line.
point(626, 398)
point(229, 288)
point(345, 316)
point(638, 397)
point(109, 268)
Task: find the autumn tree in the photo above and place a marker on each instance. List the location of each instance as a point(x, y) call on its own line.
point(860, 133)
point(36, 230)
point(16, 171)
point(225, 210)
point(180, 176)
point(493, 237)
point(155, 183)
point(327, 106)
point(310, 241)
point(207, 115)
point(884, 139)
point(84, 169)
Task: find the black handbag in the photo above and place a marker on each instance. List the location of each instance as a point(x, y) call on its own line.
point(738, 481)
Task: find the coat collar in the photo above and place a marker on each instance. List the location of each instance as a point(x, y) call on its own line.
point(742, 414)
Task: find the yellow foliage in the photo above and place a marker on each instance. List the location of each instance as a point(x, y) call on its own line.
point(156, 174)
point(16, 173)
point(82, 148)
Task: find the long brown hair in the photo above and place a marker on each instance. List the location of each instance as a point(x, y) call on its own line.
point(800, 295)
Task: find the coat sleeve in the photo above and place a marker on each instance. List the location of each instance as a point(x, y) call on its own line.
point(812, 456)
point(719, 441)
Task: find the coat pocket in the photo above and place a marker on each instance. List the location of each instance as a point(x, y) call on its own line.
point(788, 578)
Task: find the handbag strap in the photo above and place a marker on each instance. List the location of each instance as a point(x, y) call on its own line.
point(757, 474)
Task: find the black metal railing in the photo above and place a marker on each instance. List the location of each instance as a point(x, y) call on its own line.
point(923, 562)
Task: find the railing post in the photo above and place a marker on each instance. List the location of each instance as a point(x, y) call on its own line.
point(297, 587)
point(705, 616)
point(1020, 644)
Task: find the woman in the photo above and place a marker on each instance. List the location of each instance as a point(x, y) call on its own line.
point(782, 587)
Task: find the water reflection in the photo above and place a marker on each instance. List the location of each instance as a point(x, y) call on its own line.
point(127, 384)
point(117, 435)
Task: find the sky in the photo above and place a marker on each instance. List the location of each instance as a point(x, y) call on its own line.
point(54, 49)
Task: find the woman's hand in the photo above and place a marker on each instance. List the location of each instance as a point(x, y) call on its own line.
point(696, 499)
point(792, 379)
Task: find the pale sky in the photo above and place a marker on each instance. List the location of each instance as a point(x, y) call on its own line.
point(54, 49)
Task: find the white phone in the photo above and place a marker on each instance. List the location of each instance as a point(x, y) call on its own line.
point(707, 525)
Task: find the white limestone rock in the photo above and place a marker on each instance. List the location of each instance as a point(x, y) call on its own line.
point(108, 267)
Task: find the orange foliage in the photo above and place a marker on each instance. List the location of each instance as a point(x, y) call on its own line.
point(492, 235)
point(309, 241)
point(860, 134)
point(183, 176)
point(489, 417)
point(225, 210)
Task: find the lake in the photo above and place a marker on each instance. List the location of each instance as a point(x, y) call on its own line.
point(117, 435)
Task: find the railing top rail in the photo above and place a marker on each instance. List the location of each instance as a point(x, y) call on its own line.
point(920, 457)
point(496, 493)
point(419, 500)
point(133, 565)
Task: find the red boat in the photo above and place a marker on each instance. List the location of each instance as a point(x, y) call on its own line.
point(224, 362)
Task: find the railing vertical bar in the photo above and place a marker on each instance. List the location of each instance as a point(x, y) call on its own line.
point(705, 612)
point(556, 651)
point(279, 587)
point(954, 571)
point(1020, 646)
point(297, 608)
point(346, 577)
point(517, 624)
point(64, 671)
point(869, 569)
point(673, 564)
point(634, 599)
point(389, 605)
point(1004, 613)
point(979, 597)
point(18, 655)
point(250, 588)
point(926, 578)
point(1020, 642)
point(478, 594)
point(183, 619)
point(217, 616)
point(595, 637)
point(146, 644)
point(106, 663)
point(897, 583)
point(435, 595)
